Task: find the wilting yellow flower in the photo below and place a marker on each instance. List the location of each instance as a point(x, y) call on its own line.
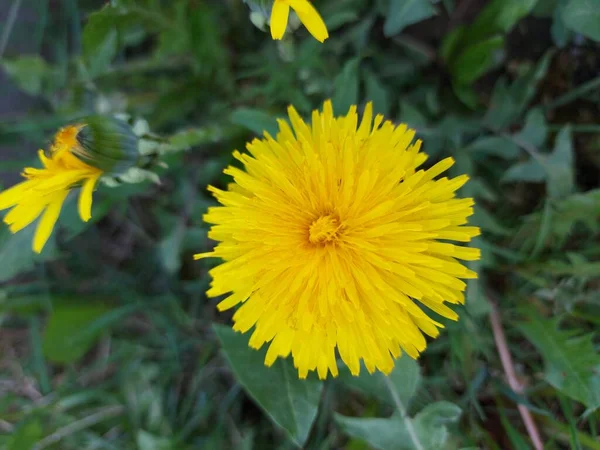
point(331, 238)
point(307, 14)
point(79, 156)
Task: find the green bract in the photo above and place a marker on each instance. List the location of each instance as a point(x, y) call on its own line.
point(108, 144)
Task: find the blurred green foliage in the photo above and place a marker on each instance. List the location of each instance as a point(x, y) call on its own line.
point(107, 339)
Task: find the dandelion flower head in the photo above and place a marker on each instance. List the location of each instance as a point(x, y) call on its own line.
point(305, 11)
point(332, 238)
point(45, 189)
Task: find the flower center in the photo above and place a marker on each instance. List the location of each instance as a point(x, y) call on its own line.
point(324, 229)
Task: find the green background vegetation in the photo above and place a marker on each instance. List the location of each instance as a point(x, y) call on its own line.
point(107, 340)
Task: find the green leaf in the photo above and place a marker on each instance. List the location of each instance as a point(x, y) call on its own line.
point(530, 171)
point(28, 71)
point(382, 434)
point(583, 16)
point(495, 146)
point(478, 59)
point(572, 365)
point(509, 102)
point(499, 16)
point(557, 169)
point(561, 172)
point(170, 248)
point(402, 13)
point(290, 402)
point(100, 40)
point(73, 328)
point(377, 93)
point(25, 436)
point(429, 427)
point(411, 116)
point(561, 34)
point(405, 378)
point(255, 120)
point(535, 130)
point(345, 87)
point(431, 421)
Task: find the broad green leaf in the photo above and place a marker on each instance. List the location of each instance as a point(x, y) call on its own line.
point(535, 130)
point(524, 88)
point(25, 436)
point(451, 43)
point(572, 365)
point(405, 378)
point(170, 248)
point(411, 116)
point(499, 16)
point(583, 208)
point(495, 146)
point(477, 59)
point(530, 171)
point(74, 327)
point(255, 120)
point(466, 94)
point(583, 16)
point(100, 40)
point(382, 434)
point(377, 93)
point(431, 421)
point(561, 34)
point(402, 13)
point(557, 169)
point(509, 102)
point(28, 71)
point(503, 108)
point(345, 87)
point(561, 172)
point(429, 427)
point(290, 402)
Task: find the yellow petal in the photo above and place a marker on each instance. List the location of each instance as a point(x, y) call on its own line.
point(279, 18)
point(311, 19)
point(23, 214)
point(48, 220)
point(11, 197)
point(85, 198)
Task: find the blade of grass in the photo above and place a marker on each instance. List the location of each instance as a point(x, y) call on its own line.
point(8, 27)
point(568, 414)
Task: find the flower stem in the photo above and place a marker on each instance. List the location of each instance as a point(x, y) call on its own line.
point(404, 415)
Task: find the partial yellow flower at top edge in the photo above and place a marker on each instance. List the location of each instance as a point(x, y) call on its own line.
point(307, 14)
point(333, 239)
point(63, 169)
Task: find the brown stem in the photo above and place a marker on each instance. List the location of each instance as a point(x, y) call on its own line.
point(509, 370)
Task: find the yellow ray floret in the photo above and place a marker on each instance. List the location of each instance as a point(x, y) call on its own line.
point(305, 11)
point(45, 190)
point(333, 239)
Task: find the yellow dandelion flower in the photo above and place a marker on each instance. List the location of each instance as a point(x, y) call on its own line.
point(305, 11)
point(73, 160)
point(332, 238)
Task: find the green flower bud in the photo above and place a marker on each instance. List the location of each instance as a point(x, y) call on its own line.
point(107, 143)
